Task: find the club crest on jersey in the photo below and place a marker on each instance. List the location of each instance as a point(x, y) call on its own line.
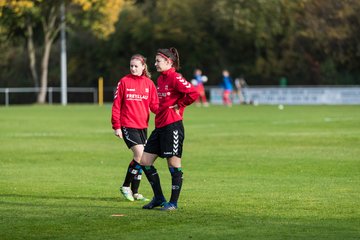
point(163, 94)
point(146, 90)
point(166, 87)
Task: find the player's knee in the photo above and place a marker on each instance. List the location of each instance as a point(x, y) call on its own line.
point(175, 172)
point(147, 159)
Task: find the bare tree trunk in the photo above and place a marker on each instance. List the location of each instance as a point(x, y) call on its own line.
point(44, 70)
point(32, 55)
point(50, 31)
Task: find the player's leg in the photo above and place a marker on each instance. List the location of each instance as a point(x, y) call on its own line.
point(174, 164)
point(203, 97)
point(134, 165)
point(135, 142)
point(198, 102)
point(137, 153)
point(137, 173)
point(226, 98)
point(173, 144)
point(147, 163)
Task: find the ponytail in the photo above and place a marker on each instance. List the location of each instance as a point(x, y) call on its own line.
point(146, 71)
point(175, 52)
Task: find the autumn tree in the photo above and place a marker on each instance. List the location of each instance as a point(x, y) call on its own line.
point(100, 16)
point(328, 34)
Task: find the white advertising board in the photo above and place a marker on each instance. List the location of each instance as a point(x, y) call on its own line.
point(293, 95)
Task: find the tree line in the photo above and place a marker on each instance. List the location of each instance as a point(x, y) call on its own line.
point(308, 42)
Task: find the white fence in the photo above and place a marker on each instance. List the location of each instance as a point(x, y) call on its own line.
point(258, 95)
point(294, 95)
point(50, 92)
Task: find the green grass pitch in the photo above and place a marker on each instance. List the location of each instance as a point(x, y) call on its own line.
point(249, 173)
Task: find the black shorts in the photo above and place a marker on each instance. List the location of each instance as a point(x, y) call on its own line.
point(133, 136)
point(167, 141)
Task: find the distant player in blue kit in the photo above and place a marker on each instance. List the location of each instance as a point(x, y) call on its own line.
point(227, 88)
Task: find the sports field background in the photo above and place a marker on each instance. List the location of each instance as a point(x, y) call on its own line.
point(249, 173)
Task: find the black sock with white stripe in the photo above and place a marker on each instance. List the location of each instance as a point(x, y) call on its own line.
point(154, 180)
point(136, 181)
point(131, 172)
point(177, 180)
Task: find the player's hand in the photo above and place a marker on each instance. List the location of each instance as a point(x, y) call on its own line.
point(118, 133)
point(176, 108)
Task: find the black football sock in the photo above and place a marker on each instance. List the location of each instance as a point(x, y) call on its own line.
point(136, 181)
point(131, 172)
point(154, 180)
point(176, 179)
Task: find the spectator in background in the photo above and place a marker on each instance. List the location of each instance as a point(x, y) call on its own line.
point(198, 83)
point(227, 88)
point(240, 85)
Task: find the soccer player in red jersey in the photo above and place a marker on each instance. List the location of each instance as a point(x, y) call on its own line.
point(166, 141)
point(198, 82)
point(135, 96)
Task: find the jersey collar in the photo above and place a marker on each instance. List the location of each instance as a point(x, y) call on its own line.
point(167, 72)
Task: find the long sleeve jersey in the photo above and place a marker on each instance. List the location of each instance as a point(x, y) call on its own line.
point(173, 89)
point(135, 96)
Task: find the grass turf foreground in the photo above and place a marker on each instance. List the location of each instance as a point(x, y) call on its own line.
point(249, 173)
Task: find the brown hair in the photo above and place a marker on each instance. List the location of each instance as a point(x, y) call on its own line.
point(171, 53)
point(142, 59)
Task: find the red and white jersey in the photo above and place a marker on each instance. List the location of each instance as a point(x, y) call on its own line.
point(135, 96)
point(173, 89)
